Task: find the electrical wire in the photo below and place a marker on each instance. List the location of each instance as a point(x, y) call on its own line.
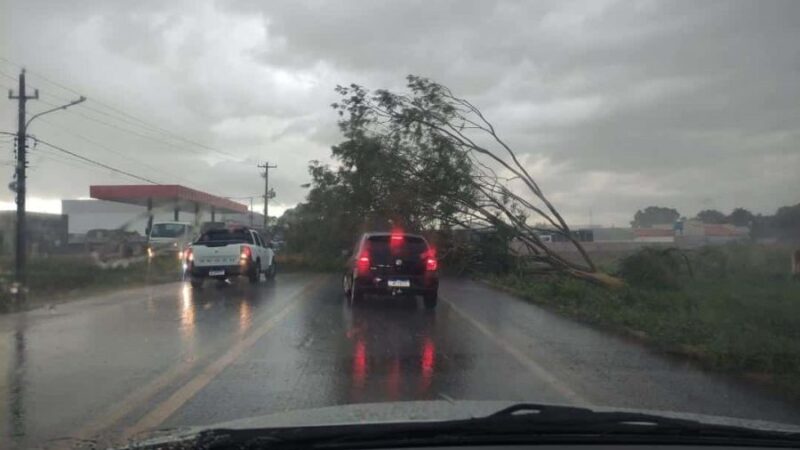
point(130, 116)
point(97, 163)
point(111, 150)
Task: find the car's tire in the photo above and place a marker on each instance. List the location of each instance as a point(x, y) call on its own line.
point(356, 295)
point(346, 287)
point(272, 270)
point(196, 282)
point(430, 300)
point(254, 275)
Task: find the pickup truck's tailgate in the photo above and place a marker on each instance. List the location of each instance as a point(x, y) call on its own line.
point(226, 255)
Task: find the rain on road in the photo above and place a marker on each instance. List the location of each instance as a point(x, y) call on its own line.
point(111, 367)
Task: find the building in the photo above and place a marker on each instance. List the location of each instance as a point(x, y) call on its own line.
point(85, 215)
point(654, 235)
point(47, 233)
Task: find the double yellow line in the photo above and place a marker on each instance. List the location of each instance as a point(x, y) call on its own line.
point(111, 418)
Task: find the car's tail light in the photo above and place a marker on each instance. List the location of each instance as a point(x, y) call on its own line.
point(245, 253)
point(187, 255)
point(431, 263)
point(363, 263)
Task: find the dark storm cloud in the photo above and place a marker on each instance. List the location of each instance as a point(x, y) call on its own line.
point(616, 104)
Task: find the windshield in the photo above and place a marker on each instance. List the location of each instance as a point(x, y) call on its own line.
point(214, 211)
point(383, 248)
point(228, 236)
point(168, 230)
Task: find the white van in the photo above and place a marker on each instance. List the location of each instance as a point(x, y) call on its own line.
point(170, 237)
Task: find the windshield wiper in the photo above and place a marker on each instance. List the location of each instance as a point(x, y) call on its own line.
point(521, 423)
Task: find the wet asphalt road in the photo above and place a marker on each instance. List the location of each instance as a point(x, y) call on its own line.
point(114, 366)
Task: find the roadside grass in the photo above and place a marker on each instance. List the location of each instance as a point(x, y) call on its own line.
point(293, 262)
point(739, 312)
point(57, 278)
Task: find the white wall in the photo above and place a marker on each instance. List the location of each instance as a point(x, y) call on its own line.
point(85, 215)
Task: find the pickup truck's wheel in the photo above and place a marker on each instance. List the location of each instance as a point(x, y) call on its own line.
point(430, 300)
point(272, 270)
point(254, 275)
point(197, 282)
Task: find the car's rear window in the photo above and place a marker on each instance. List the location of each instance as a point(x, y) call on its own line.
point(226, 236)
point(383, 248)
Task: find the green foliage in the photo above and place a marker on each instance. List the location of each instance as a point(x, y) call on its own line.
point(740, 313)
point(654, 215)
point(651, 267)
point(292, 262)
point(385, 178)
point(57, 276)
point(711, 216)
point(741, 217)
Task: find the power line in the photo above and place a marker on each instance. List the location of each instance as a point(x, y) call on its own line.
point(130, 116)
point(126, 130)
point(108, 149)
point(97, 163)
point(11, 77)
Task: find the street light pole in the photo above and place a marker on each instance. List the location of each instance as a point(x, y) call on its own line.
point(19, 184)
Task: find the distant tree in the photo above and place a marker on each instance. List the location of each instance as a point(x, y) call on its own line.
point(711, 216)
point(741, 217)
point(787, 222)
point(654, 215)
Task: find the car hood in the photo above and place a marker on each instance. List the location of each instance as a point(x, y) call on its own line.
point(416, 411)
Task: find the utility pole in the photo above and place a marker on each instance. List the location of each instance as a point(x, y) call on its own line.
point(19, 184)
point(251, 212)
point(20, 187)
point(266, 168)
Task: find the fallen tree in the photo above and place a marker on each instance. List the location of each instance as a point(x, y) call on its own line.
point(433, 129)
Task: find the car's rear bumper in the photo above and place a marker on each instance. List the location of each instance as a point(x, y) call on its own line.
point(378, 284)
point(229, 271)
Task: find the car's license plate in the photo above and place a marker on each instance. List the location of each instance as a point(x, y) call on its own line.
point(399, 283)
point(216, 273)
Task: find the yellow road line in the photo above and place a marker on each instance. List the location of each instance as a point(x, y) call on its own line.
point(532, 366)
point(140, 396)
point(133, 400)
point(165, 409)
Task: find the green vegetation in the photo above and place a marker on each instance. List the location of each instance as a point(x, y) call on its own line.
point(291, 262)
point(737, 309)
point(58, 277)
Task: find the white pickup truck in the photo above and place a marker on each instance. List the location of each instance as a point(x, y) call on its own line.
point(228, 252)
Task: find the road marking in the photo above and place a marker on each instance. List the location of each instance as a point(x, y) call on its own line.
point(139, 397)
point(134, 400)
point(165, 409)
point(534, 367)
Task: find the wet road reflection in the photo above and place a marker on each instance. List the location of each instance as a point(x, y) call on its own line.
point(98, 367)
point(72, 368)
point(393, 350)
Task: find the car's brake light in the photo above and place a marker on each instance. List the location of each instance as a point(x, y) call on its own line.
point(363, 263)
point(187, 255)
point(431, 263)
point(245, 253)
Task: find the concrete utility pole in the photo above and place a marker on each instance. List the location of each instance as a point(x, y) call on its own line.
point(266, 168)
point(19, 184)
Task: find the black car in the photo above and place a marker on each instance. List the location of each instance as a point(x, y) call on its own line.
point(392, 263)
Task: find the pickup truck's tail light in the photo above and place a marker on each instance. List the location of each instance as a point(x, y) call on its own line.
point(188, 256)
point(362, 264)
point(246, 253)
point(431, 263)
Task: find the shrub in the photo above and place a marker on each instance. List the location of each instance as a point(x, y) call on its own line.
point(653, 268)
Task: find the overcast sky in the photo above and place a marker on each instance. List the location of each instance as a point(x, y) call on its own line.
point(616, 105)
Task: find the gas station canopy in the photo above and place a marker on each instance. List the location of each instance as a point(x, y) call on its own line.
point(171, 196)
